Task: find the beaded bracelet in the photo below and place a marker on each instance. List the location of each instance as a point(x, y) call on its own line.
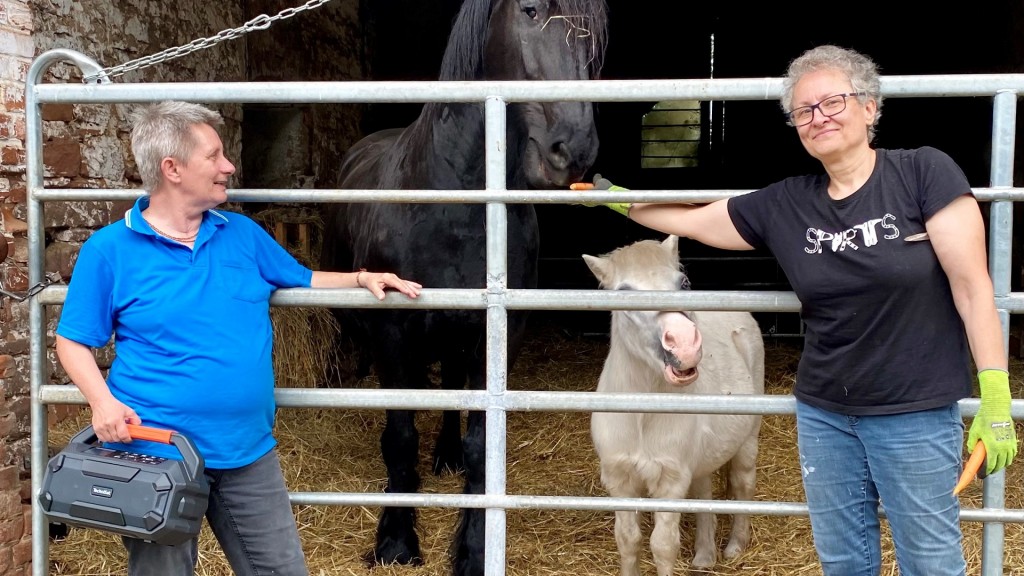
point(358, 274)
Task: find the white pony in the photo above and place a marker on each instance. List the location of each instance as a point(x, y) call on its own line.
point(673, 455)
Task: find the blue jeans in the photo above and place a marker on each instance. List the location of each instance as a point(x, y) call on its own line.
point(910, 462)
point(252, 519)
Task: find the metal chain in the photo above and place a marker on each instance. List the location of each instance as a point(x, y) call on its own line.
point(261, 22)
point(50, 278)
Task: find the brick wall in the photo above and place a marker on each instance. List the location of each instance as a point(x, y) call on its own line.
point(16, 50)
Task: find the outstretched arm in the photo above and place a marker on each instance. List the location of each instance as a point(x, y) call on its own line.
point(375, 282)
point(706, 223)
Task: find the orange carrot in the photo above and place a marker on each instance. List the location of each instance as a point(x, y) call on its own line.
point(581, 186)
point(974, 463)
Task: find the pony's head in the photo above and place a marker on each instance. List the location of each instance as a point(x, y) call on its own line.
point(668, 341)
point(536, 40)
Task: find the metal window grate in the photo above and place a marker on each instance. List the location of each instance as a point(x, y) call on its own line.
point(670, 135)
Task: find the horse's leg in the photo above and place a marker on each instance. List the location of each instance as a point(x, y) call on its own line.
point(665, 535)
point(705, 551)
point(399, 443)
point(618, 479)
point(448, 452)
point(468, 545)
point(396, 529)
point(742, 485)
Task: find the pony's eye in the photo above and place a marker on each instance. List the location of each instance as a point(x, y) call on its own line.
point(531, 12)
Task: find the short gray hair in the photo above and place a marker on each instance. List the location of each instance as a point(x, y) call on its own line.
point(165, 129)
point(861, 71)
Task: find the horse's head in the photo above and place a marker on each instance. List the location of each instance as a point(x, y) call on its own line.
point(670, 340)
point(548, 40)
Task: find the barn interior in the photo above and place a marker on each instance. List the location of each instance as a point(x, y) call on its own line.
point(740, 145)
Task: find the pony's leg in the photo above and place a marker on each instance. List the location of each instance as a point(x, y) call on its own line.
point(705, 551)
point(665, 535)
point(621, 484)
point(742, 486)
point(448, 452)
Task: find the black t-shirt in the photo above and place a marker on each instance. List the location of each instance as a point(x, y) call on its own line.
point(882, 333)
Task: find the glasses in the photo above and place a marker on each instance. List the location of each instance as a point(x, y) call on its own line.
point(828, 107)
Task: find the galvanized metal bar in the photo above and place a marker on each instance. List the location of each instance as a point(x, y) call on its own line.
point(525, 299)
point(519, 299)
point(940, 85)
point(456, 196)
point(496, 148)
point(38, 431)
point(525, 401)
point(531, 502)
point(1004, 121)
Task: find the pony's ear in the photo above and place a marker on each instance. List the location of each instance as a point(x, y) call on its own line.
point(601, 267)
point(672, 244)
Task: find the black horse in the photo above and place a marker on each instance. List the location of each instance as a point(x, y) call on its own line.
point(550, 145)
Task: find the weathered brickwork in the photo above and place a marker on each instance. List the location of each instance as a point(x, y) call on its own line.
point(17, 48)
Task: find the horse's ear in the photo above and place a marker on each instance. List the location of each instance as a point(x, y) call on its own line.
point(672, 244)
point(599, 266)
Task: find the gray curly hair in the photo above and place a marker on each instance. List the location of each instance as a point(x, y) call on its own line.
point(165, 129)
point(861, 71)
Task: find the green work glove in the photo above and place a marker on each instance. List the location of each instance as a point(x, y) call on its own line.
point(601, 183)
point(992, 425)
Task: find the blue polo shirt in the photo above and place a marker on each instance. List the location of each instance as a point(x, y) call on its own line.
point(191, 328)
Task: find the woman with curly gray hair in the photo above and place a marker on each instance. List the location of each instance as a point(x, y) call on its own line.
point(886, 251)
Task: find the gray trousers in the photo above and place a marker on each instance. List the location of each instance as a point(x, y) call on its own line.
point(252, 519)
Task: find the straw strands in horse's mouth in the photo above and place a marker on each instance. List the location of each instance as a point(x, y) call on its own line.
point(548, 453)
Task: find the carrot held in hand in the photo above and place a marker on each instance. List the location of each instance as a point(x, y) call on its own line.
point(974, 464)
point(601, 183)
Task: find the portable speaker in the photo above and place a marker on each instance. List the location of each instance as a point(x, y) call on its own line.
point(156, 499)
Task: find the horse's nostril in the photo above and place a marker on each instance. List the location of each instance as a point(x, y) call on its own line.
point(560, 155)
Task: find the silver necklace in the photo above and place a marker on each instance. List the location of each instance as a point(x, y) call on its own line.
point(182, 239)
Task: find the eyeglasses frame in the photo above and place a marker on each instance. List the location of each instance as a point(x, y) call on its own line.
point(817, 106)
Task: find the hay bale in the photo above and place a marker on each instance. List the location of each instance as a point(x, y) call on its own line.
point(307, 353)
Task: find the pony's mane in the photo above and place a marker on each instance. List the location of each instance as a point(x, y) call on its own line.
point(463, 59)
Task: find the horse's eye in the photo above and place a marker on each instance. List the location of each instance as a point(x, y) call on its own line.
point(531, 12)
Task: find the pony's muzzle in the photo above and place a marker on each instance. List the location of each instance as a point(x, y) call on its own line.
point(681, 345)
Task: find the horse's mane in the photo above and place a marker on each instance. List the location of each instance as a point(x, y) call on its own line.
point(463, 59)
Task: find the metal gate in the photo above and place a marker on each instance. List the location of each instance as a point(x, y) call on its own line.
point(496, 297)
